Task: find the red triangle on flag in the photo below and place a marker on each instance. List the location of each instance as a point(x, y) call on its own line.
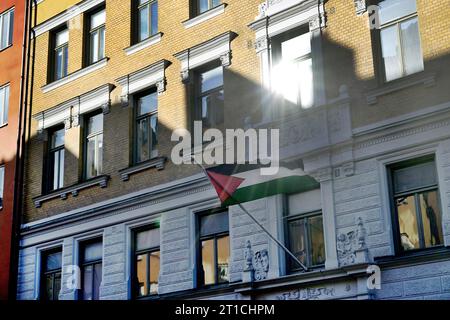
point(225, 185)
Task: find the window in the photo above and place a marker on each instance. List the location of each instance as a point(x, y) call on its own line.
point(201, 6)
point(214, 248)
point(418, 215)
point(400, 38)
point(209, 104)
point(2, 184)
point(305, 230)
point(4, 104)
point(97, 22)
point(56, 160)
point(146, 262)
point(292, 68)
point(146, 126)
point(94, 145)
point(6, 28)
point(51, 265)
point(147, 18)
point(61, 54)
point(91, 269)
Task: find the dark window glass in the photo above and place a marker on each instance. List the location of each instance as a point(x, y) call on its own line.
point(148, 18)
point(147, 262)
point(61, 54)
point(417, 205)
point(91, 269)
point(51, 274)
point(400, 38)
point(97, 22)
point(146, 139)
point(210, 98)
point(214, 251)
point(306, 241)
point(56, 160)
point(94, 146)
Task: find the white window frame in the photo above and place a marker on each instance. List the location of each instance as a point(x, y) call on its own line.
point(4, 105)
point(2, 16)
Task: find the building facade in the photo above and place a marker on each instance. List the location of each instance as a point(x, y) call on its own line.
point(12, 25)
point(357, 91)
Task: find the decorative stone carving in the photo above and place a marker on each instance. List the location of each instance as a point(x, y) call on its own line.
point(261, 44)
point(106, 107)
point(248, 272)
point(308, 294)
point(349, 169)
point(161, 86)
point(262, 9)
point(360, 6)
point(185, 76)
point(225, 59)
point(124, 100)
point(261, 264)
point(67, 123)
point(75, 120)
point(351, 247)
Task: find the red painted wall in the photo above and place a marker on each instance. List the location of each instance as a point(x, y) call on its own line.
point(10, 72)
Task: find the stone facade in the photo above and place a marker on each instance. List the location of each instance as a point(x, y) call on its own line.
point(357, 128)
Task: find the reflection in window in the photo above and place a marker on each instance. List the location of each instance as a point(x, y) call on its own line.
point(148, 18)
point(400, 38)
point(51, 275)
point(91, 269)
point(146, 126)
point(6, 28)
point(419, 216)
point(97, 22)
point(147, 262)
point(214, 248)
point(292, 72)
point(94, 145)
point(61, 54)
point(210, 99)
point(56, 160)
point(205, 5)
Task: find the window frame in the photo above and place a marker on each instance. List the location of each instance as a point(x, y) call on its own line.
point(93, 263)
point(43, 274)
point(89, 31)
point(137, 118)
point(137, 25)
point(399, 251)
point(50, 161)
point(86, 138)
point(199, 259)
point(380, 60)
point(10, 33)
point(195, 5)
point(199, 95)
point(308, 263)
point(54, 50)
point(147, 251)
point(4, 110)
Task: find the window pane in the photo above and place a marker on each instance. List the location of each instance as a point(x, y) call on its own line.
point(59, 56)
point(154, 126)
point(317, 241)
point(395, 9)
point(93, 251)
point(148, 104)
point(143, 140)
point(431, 218)
point(91, 168)
point(88, 274)
point(414, 177)
point(62, 37)
point(58, 138)
point(297, 241)
point(141, 274)
point(214, 223)
point(296, 47)
point(412, 51)
point(53, 261)
point(154, 271)
point(95, 124)
point(154, 17)
point(49, 287)
point(61, 169)
point(215, 3)
point(391, 53)
point(97, 280)
point(143, 23)
point(101, 53)
point(211, 79)
point(5, 33)
point(407, 221)
point(97, 19)
point(208, 261)
point(11, 27)
point(202, 5)
point(94, 47)
point(148, 239)
point(2, 183)
point(306, 83)
point(213, 109)
point(57, 286)
point(223, 258)
point(2, 105)
point(58, 169)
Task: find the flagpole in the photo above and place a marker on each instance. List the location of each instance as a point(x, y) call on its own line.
point(254, 219)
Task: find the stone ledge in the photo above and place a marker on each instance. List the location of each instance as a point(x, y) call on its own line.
point(211, 13)
point(101, 181)
point(152, 40)
point(157, 163)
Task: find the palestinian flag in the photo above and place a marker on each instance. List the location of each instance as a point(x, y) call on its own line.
point(241, 183)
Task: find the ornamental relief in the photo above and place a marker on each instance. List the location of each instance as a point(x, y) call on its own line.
point(308, 294)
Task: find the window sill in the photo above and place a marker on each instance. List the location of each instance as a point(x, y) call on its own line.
point(101, 181)
point(6, 48)
point(211, 13)
point(3, 125)
point(154, 39)
point(418, 256)
point(75, 75)
point(157, 163)
point(421, 78)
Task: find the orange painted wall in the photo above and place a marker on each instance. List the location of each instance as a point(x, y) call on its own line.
point(10, 72)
